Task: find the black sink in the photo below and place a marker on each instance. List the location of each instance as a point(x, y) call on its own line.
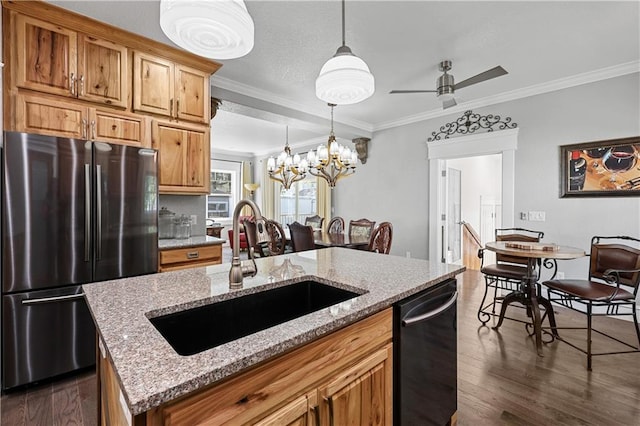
point(198, 329)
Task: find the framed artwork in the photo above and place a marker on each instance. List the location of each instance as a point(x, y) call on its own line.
point(608, 168)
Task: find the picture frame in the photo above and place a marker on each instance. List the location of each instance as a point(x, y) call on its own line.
point(606, 168)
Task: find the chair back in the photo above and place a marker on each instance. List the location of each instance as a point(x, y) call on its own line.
point(516, 234)
point(609, 253)
point(380, 241)
point(361, 227)
point(252, 237)
point(314, 221)
point(277, 241)
point(336, 225)
point(301, 237)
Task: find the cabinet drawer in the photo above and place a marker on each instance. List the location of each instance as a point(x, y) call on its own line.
point(188, 257)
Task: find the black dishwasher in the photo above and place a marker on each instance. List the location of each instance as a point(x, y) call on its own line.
point(425, 356)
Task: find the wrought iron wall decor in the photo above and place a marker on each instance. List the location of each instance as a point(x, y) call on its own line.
point(470, 123)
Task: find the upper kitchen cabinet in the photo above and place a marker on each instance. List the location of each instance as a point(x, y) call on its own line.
point(183, 157)
point(163, 87)
point(60, 61)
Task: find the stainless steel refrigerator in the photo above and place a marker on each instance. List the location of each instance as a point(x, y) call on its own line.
point(73, 212)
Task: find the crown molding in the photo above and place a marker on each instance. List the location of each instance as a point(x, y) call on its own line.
point(244, 89)
point(537, 89)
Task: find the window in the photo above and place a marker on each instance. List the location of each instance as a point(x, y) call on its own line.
point(298, 202)
point(225, 176)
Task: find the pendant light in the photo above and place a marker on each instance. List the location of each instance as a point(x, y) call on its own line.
point(344, 79)
point(216, 29)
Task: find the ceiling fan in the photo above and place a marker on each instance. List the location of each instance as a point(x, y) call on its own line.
point(446, 86)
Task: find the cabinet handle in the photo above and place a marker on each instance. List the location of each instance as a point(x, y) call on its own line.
point(84, 128)
point(93, 129)
point(330, 404)
point(81, 85)
point(316, 415)
point(193, 255)
point(72, 84)
point(177, 107)
point(171, 107)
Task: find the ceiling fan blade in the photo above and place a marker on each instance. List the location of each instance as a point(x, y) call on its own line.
point(448, 104)
point(483, 76)
point(394, 92)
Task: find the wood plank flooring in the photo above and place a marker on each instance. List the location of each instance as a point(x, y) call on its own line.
point(501, 380)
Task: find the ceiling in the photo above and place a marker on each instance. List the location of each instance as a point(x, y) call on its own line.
point(543, 45)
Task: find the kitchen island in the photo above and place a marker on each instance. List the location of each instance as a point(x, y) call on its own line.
point(144, 381)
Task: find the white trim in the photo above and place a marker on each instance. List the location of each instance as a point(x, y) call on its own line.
point(244, 89)
point(504, 142)
point(536, 89)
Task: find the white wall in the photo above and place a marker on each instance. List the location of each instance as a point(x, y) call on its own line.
point(393, 185)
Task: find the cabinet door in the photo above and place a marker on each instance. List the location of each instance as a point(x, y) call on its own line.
point(193, 100)
point(302, 411)
point(102, 71)
point(183, 157)
point(46, 56)
point(153, 84)
point(361, 394)
point(119, 127)
point(48, 116)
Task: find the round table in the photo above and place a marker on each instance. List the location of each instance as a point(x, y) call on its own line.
point(528, 296)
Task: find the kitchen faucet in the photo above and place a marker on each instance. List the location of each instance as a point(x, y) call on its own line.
point(238, 270)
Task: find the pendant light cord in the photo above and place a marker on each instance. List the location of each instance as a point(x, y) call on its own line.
point(343, 42)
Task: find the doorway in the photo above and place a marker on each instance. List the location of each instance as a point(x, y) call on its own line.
point(504, 143)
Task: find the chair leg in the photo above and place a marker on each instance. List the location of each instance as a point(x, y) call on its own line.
point(589, 337)
point(635, 321)
point(495, 295)
point(481, 313)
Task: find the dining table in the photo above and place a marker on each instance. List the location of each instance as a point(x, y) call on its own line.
point(332, 239)
point(528, 295)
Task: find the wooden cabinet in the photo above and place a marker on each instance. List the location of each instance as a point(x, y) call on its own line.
point(60, 61)
point(48, 115)
point(165, 88)
point(183, 150)
point(343, 378)
point(181, 258)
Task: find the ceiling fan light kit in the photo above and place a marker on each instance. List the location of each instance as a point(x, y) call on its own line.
point(215, 29)
point(345, 78)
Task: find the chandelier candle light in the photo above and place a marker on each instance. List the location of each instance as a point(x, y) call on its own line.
point(287, 169)
point(344, 79)
point(332, 161)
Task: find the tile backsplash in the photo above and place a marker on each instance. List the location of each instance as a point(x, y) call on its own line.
point(188, 205)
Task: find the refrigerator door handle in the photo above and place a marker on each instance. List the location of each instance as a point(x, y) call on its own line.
point(87, 211)
point(52, 299)
point(435, 312)
point(99, 210)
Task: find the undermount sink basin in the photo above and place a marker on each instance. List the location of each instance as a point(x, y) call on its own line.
point(195, 330)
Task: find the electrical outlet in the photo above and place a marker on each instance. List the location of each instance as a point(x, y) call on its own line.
point(560, 275)
point(194, 219)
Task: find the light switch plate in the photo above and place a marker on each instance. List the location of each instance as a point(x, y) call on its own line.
point(194, 219)
point(537, 216)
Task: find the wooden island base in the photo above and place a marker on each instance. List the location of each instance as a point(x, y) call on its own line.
point(343, 378)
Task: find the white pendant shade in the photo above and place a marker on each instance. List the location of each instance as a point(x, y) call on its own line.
point(216, 29)
point(345, 79)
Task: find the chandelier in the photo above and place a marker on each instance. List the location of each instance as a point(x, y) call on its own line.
point(344, 79)
point(216, 29)
point(287, 169)
point(332, 161)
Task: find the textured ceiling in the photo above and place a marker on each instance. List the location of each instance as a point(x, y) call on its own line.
point(403, 42)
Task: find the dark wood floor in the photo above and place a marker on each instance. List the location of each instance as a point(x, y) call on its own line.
point(501, 380)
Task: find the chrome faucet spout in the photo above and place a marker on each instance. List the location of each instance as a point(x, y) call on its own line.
point(238, 270)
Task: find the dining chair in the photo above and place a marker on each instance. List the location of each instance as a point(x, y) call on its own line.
point(277, 240)
point(336, 225)
point(361, 227)
point(610, 289)
point(252, 239)
point(301, 237)
point(314, 221)
point(507, 273)
point(380, 241)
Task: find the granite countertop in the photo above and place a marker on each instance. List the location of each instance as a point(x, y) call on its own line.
point(152, 373)
point(194, 241)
